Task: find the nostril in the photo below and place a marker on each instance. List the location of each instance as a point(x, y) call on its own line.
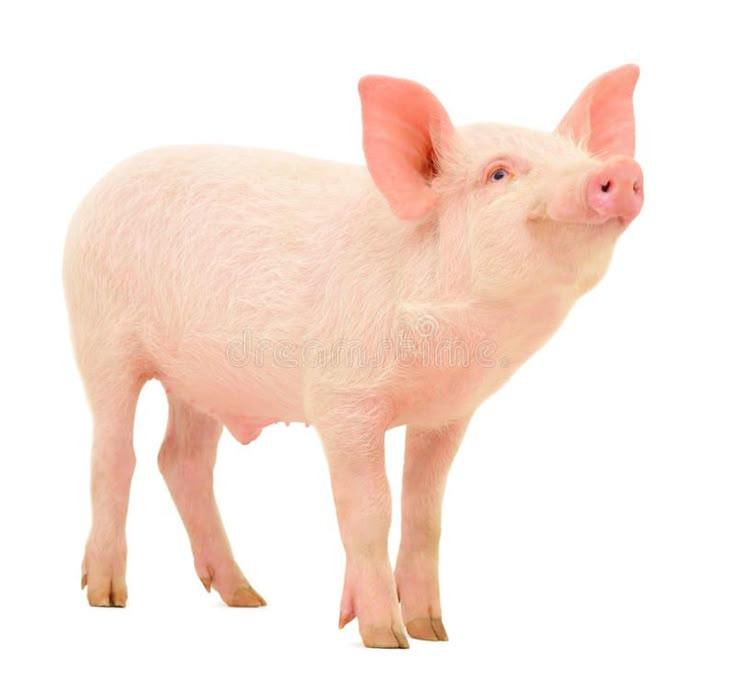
point(615, 190)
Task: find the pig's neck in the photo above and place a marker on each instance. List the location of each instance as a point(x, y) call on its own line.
point(515, 310)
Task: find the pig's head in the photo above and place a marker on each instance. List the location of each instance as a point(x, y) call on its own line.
point(517, 208)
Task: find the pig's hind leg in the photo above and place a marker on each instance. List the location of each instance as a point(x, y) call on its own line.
point(112, 400)
point(187, 460)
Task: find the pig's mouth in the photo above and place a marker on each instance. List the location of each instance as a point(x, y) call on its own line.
point(541, 216)
point(606, 223)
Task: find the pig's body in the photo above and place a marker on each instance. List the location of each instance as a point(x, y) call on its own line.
point(207, 269)
point(196, 265)
point(261, 287)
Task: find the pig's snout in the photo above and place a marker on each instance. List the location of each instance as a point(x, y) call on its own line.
point(616, 189)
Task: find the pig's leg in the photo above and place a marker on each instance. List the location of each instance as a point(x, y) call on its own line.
point(355, 457)
point(113, 404)
point(427, 460)
point(186, 460)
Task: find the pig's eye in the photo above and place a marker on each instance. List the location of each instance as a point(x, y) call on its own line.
point(503, 169)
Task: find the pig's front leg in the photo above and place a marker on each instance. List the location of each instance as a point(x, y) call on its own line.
point(355, 454)
point(427, 459)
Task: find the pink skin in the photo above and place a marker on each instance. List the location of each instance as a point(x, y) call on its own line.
point(616, 190)
point(186, 460)
point(113, 462)
point(427, 459)
point(611, 191)
point(213, 269)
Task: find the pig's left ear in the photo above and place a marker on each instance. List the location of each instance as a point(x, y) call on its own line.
point(602, 118)
point(403, 126)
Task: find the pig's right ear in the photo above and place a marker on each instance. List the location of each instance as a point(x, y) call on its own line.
point(602, 118)
point(403, 126)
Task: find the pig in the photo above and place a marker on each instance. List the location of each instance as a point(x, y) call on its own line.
point(259, 287)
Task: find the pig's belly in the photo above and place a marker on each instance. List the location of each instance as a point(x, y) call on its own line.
point(244, 399)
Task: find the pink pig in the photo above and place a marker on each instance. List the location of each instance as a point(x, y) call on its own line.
point(259, 286)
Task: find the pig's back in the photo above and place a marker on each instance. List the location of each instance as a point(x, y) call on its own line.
point(179, 224)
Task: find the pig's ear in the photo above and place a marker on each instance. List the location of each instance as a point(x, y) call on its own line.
point(602, 118)
point(403, 126)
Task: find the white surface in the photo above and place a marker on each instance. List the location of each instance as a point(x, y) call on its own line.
point(590, 518)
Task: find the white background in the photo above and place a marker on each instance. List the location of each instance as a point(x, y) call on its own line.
point(590, 517)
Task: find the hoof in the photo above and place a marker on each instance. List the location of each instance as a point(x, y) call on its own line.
point(384, 637)
point(246, 597)
point(427, 629)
